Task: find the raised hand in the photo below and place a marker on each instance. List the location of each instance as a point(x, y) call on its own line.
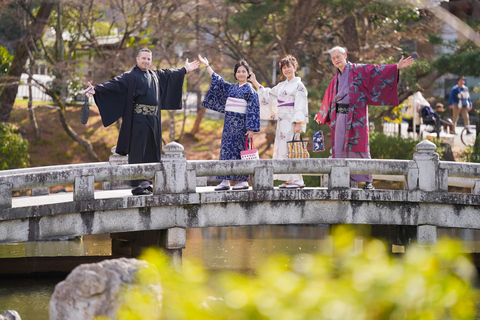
point(190, 66)
point(252, 78)
point(403, 63)
point(90, 91)
point(203, 60)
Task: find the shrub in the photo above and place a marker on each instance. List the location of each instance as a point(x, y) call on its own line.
point(373, 285)
point(394, 147)
point(5, 61)
point(13, 148)
point(472, 153)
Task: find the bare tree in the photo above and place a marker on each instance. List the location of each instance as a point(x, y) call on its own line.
point(12, 80)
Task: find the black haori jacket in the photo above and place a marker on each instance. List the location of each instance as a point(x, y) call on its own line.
point(114, 99)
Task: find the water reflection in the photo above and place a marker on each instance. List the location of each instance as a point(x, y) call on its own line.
point(243, 248)
point(233, 248)
point(91, 245)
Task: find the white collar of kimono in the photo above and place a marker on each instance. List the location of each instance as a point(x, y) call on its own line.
point(347, 65)
point(295, 79)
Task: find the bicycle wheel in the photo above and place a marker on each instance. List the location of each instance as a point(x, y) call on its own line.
point(468, 135)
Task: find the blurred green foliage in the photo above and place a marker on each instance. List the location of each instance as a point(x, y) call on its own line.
point(463, 63)
point(5, 61)
point(13, 148)
point(395, 147)
point(344, 284)
point(472, 153)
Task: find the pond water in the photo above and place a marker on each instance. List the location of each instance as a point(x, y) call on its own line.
point(234, 248)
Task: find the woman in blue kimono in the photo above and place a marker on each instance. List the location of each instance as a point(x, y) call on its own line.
point(239, 103)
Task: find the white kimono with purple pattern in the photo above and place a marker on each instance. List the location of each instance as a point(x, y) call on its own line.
point(288, 104)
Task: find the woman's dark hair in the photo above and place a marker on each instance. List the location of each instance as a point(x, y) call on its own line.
point(241, 63)
point(288, 60)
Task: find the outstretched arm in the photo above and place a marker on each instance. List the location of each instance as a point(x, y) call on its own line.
point(403, 63)
point(90, 91)
point(192, 65)
point(207, 65)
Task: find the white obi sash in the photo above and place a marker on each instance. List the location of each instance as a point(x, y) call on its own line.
point(236, 105)
point(286, 102)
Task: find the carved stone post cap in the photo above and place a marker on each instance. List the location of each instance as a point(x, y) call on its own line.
point(173, 149)
point(426, 147)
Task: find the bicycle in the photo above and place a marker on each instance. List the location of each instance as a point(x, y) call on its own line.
point(468, 135)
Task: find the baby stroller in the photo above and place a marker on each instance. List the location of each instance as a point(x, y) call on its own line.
point(433, 121)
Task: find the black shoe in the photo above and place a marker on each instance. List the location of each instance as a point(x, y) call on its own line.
point(140, 192)
point(368, 186)
point(149, 189)
point(469, 132)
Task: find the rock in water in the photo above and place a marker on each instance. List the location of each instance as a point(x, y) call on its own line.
point(97, 289)
point(10, 315)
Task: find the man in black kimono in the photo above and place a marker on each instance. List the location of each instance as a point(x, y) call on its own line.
point(138, 96)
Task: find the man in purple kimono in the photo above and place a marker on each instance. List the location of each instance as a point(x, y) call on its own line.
point(345, 104)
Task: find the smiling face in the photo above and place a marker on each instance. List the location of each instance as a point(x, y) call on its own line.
point(288, 71)
point(339, 59)
point(241, 74)
point(461, 82)
point(144, 60)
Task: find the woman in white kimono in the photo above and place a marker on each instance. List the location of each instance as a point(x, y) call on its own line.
point(287, 103)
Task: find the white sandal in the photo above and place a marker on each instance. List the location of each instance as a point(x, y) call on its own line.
point(285, 184)
point(295, 185)
point(241, 185)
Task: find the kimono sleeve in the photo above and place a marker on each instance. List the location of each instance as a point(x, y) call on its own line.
point(217, 95)
point(323, 114)
point(268, 102)
point(110, 98)
point(252, 121)
point(379, 84)
point(300, 112)
point(171, 87)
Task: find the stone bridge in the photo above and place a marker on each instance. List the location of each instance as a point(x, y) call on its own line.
point(181, 198)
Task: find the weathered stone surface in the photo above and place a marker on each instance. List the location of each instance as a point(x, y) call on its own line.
point(178, 202)
point(10, 315)
point(92, 290)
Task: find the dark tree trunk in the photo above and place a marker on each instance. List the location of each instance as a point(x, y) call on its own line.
point(12, 79)
point(352, 41)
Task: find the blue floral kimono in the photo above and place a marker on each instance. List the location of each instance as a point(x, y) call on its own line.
point(236, 124)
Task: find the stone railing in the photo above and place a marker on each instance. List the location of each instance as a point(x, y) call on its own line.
point(177, 175)
point(176, 182)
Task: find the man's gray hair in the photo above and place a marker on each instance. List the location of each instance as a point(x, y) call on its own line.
point(143, 50)
point(339, 49)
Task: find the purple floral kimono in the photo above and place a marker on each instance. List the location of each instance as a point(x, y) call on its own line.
point(368, 85)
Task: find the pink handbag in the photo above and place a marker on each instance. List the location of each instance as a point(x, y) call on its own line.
point(249, 154)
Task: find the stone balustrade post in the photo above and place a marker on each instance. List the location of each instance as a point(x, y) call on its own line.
point(116, 160)
point(173, 241)
point(42, 191)
point(339, 178)
point(174, 178)
point(84, 188)
point(325, 180)
point(430, 178)
point(476, 187)
point(6, 195)
point(426, 235)
point(263, 178)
